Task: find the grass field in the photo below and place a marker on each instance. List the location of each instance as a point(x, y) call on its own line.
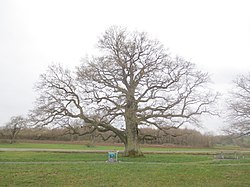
point(108, 147)
point(91, 169)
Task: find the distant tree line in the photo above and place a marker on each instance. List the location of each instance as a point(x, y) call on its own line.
point(175, 137)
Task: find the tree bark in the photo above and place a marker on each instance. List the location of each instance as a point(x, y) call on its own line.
point(132, 148)
point(13, 135)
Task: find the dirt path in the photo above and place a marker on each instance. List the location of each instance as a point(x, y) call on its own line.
point(125, 162)
point(100, 151)
point(51, 150)
point(193, 152)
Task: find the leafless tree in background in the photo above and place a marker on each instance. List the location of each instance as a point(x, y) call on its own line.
point(239, 107)
point(133, 83)
point(14, 126)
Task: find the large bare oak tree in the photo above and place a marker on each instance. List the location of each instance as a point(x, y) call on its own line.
point(239, 107)
point(132, 83)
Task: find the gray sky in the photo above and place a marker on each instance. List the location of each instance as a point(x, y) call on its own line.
point(214, 34)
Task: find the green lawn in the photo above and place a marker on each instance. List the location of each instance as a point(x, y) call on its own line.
point(58, 146)
point(109, 147)
point(88, 157)
point(89, 169)
point(124, 174)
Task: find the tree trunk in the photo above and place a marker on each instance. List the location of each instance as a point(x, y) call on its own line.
point(132, 148)
point(13, 136)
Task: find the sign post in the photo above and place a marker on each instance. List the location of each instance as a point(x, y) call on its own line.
point(113, 156)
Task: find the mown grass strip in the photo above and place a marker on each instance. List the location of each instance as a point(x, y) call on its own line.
point(83, 147)
point(47, 156)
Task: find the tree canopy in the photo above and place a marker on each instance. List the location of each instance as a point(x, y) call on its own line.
point(239, 107)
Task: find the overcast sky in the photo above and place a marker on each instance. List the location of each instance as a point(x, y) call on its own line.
point(214, 34)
